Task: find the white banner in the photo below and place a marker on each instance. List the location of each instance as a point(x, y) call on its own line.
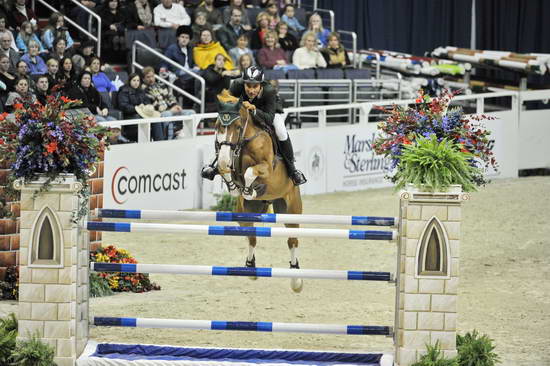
point(161, 175)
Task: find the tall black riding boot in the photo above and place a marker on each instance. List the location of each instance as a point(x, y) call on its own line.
point(288, 156)
point(210, 171)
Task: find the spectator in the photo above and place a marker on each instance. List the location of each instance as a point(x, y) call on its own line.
point(22, 94)
point(241, 49)
point(216, 78)
point(163, 102)
point(112, 26)
point(22, 71)
point(35, 63)
point(101, 81)
point(66, 75)
point(22, 13)
point(245, 61)
point(59, 50)
point(292, 22)
point(83, 56)
point(9, 52)
point(257, 36)
point(25, 36)
point(54, 30)
point(308, 56)
point(316, 25)
point(228, 14)
point(287, 41)
point(181, 52)
point(213, 15)
point(199, 25)
point(205, 52)
point(130, 96)
point(80, 15)
point(222, 3)
point(53, 70)
point(85, 91)
point(273, 13)
point(335, 55)
point(4, 30)
point(6, 77)
point(42, 88)
point(169, 16)
point(271, 56)
point(139, 23)
point(230, 32)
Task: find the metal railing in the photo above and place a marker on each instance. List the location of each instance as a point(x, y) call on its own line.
point(330, 14)
point(88, 33)
point(200, 102)
point(353, 36)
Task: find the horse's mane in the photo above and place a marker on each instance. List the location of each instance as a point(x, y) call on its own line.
point(226, 97)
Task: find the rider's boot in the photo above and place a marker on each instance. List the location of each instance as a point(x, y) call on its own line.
point(210, 171)
point(288, 156)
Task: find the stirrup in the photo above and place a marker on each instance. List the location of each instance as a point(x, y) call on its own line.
point(298, 178)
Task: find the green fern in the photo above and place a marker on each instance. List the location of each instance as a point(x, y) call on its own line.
point(435, 165)
point(224, 202)
point(434, 357)
point(32, 352)
point(8, 335)
point(476, 350)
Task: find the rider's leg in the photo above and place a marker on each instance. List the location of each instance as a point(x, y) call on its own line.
point(286, 150)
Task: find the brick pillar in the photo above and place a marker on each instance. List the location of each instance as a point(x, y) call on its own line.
point(427, 290)
point(53, 298)
point(96, 201)
point(9, 224)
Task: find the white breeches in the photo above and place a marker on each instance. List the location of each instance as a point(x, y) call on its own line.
point(280, 128)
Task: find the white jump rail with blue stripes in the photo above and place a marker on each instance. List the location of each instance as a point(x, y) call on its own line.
point(243, 271)
point(241, 231)
point(246, 217)
point(244, 326)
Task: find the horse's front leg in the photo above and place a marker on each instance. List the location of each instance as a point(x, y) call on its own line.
point(252, 189)
point(231, 187)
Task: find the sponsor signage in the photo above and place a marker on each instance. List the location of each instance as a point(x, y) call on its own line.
point(152, 176)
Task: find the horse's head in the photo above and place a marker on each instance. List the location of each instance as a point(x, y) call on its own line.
point(229, 129)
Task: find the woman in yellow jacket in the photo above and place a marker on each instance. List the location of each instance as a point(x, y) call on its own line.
point(204, 52)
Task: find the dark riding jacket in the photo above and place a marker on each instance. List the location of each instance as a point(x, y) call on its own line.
point(266, 103)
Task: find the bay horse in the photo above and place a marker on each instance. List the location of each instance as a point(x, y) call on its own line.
point(251, 170)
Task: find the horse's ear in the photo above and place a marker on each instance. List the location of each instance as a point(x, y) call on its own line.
point(224, 95)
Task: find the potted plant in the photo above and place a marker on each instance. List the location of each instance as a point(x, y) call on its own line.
point(45, 143)
point(433, 147)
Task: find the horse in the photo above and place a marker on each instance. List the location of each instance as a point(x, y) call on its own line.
point(254, 173)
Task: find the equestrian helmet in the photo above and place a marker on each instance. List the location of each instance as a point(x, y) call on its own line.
point(253, 75)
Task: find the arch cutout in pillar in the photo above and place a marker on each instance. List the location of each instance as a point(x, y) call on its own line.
point(433, 254)
point(46, 240)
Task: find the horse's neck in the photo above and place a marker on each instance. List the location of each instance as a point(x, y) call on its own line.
point(250, 126)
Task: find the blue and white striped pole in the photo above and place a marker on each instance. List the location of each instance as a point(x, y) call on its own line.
point(242, 271)
point(243, 326)
point(246, 217)
point(241, 231)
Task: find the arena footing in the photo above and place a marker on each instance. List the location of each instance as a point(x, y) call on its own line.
point(117, 354)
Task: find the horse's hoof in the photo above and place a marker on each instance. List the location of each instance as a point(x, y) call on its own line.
point(296, 284)
point(249, 197)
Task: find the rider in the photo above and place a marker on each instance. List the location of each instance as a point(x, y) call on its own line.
point(261, 99)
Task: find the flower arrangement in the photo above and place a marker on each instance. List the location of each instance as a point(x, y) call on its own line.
point(44, 140)
point(432, 117)
point(121, 281)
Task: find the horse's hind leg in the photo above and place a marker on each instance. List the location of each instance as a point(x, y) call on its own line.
point(292, 204)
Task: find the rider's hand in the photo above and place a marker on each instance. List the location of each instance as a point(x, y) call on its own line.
point(249, 106)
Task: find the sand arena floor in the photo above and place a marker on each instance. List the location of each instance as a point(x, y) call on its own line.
point(504, 285)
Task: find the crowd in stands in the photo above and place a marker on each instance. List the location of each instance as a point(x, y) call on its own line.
point(216, 39)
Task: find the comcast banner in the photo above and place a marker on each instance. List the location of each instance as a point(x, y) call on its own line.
point(163, 175)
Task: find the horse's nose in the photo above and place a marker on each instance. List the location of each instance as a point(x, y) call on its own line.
point(224, 159)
